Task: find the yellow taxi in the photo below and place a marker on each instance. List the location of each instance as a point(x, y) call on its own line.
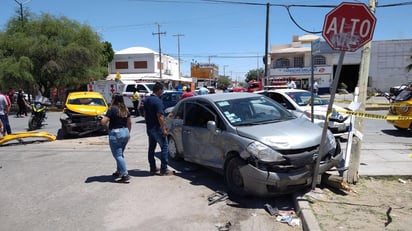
point(400, 111)
point(81, 115)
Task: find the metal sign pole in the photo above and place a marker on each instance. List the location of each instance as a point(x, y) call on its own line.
point(325, 125)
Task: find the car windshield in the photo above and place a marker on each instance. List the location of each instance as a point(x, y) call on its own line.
point(87, 101)
point(303, 98)
point(253, 111)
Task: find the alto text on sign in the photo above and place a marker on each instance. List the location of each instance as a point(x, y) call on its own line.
point(349, 26)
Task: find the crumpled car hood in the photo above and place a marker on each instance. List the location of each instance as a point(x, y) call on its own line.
point(87, 109)
point(291, 134)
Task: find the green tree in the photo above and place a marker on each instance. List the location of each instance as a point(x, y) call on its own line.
point(223, 81)
point(47, 52)
point(254, 74)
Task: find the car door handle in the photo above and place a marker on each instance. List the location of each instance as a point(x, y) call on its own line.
point(187, 131)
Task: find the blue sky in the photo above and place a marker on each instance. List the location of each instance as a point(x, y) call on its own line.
point(230, 35)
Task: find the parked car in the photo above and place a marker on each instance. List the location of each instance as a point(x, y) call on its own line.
point(401, 105)
point(169, 98)
point(81, 115)
point(260, 147)
point(298, 101)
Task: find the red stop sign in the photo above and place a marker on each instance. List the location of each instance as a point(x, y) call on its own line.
point(349, 26)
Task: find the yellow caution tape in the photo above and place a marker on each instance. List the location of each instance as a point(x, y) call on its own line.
point(374, 116)
point(400, 105)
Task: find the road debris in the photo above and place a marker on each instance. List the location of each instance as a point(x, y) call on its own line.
point(224, 227)
point(272, 211)
point(402, 181)
point(216, 197)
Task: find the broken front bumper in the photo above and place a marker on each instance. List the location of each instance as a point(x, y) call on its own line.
point(270, 183)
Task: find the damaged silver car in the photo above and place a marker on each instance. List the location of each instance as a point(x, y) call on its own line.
point(255, 143)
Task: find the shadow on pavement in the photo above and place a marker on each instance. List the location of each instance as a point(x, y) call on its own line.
point(397, 133)
point(101, 179)
point(199, 175)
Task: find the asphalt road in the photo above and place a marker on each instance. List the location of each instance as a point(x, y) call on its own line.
point(67, 185)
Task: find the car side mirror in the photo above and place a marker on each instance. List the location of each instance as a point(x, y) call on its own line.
point(211, 126)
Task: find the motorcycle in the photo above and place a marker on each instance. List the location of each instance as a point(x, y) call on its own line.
point(38, 115)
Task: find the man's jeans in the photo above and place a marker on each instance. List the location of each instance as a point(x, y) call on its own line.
point(156, 137)
point(118, 139)
point(5, 120)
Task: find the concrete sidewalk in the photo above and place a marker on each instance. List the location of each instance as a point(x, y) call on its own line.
point(372, 103)
point(392, 157)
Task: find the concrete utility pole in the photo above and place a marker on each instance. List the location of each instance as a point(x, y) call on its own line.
point(160, 47)
point(224, 70)
point(267, 46)
point(351, 175)
point(21, 8)
point(178, 49)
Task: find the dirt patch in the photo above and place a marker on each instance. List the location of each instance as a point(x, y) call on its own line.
point(379, 203)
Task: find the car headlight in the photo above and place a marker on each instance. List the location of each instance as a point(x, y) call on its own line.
point(64, 116)
point(264, 153)
point(330, 142)
point(315, 116)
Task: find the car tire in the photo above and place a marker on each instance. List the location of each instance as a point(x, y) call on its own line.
point(233, 177)
point(173, 152)
point(32, 124)
point(62, 133)
point(401, 129)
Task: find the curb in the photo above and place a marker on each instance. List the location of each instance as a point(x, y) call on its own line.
point(309, 221)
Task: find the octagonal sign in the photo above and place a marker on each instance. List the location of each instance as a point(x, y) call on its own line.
point(349, 26)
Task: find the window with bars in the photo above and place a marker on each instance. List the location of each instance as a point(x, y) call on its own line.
point(319, 60)
point(298, 61)
point(282, 63)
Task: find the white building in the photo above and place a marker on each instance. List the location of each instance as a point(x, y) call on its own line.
point(389, 59)
point(143, 64)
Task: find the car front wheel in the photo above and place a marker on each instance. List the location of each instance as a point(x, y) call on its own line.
point(233, 177)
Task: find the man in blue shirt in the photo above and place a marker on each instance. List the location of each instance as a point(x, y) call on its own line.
point(203, 90)
point(156, 130)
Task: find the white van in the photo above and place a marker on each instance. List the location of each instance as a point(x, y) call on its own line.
point(144, 89)
point(108, 87)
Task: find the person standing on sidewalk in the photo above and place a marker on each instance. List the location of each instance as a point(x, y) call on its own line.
point(156, 131)
point(135, 100)
point(5, 105)
point(118, 118)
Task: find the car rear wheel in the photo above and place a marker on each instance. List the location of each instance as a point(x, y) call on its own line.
point(233, 177)
point(173, 152)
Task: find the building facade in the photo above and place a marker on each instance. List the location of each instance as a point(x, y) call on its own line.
point(388, 62)
point(204, 74)
point(143, 64)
